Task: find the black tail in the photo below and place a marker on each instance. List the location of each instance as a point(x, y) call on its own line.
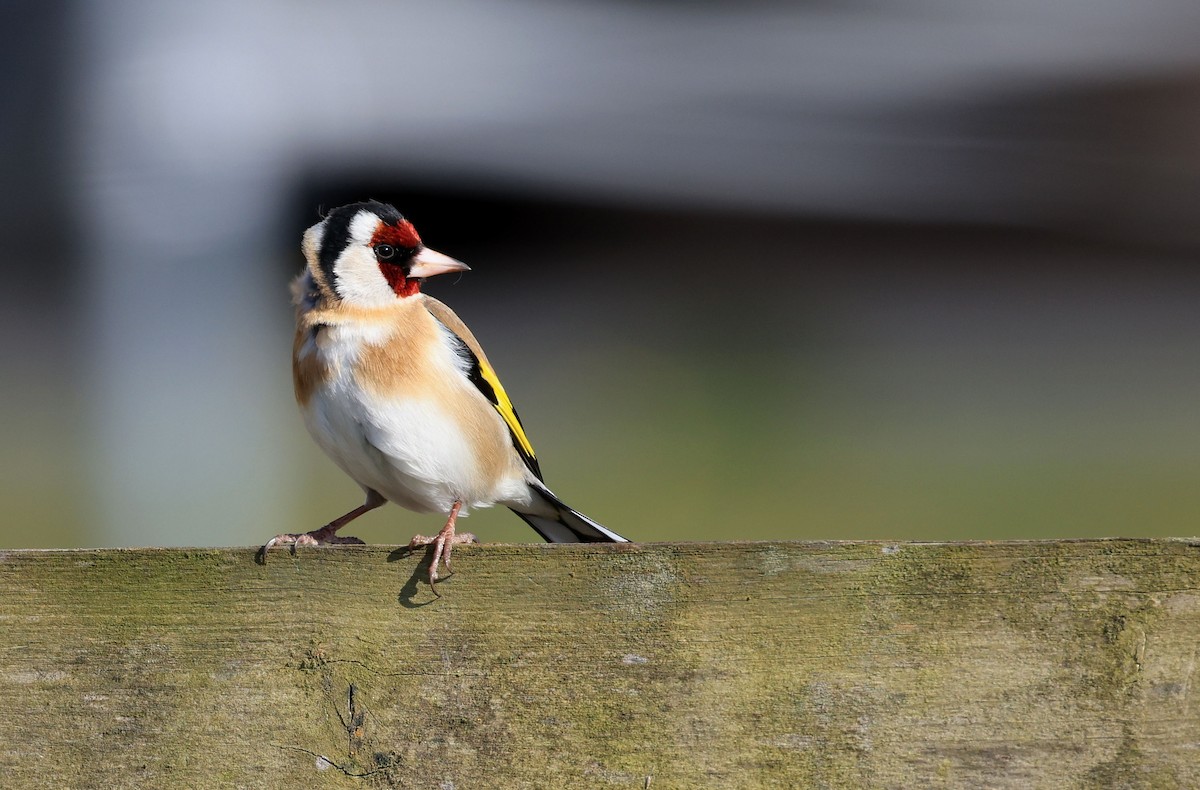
point(566, 525)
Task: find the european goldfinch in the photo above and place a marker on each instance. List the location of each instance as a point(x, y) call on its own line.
point(397, 391)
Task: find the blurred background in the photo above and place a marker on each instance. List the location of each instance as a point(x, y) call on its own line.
point(835, 269)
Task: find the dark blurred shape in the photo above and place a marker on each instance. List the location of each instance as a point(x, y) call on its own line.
point(36, 204)
point(1116, 159)
point(473, 218)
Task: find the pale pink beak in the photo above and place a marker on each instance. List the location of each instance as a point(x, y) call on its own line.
point(428, 263)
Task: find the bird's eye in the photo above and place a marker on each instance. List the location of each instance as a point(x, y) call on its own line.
point(385, 252)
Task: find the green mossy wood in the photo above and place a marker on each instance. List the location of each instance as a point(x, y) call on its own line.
point(845, 665)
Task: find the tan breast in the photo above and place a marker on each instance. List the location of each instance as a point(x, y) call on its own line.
point(415, 361)
point(404, 355)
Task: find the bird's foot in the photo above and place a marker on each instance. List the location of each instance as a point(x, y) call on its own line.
point(443, 545)
point(325, 536)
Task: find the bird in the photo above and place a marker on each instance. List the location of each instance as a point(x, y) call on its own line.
point(397, 391)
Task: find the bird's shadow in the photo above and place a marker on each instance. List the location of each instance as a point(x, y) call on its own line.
point(408, 593)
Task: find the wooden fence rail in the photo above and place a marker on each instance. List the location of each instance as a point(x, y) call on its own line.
point(1024, 665)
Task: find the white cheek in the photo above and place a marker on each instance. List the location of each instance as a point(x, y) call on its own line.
point(359, 280)
point(357, 275)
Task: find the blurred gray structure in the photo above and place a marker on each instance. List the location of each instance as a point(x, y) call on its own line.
point(185, 128)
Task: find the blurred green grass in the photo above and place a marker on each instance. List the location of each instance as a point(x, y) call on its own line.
point(666, 450)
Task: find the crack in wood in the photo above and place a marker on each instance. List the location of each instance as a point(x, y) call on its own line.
point(326, 760)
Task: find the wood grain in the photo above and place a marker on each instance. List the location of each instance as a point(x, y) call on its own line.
point(843, 665)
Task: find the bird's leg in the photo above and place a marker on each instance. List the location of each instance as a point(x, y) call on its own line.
point(443, 544)
point(328, 533)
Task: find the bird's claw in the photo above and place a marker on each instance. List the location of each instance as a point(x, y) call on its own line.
point(318, 537)
point(443, 546)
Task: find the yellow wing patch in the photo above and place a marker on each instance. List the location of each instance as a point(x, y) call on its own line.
point(504, 405)
point(485, 380)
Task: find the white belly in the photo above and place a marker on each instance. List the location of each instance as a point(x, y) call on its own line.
point(407, 449)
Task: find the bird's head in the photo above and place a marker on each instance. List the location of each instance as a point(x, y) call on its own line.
point(368, 255)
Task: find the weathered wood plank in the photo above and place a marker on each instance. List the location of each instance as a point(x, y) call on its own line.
point(1044, 664)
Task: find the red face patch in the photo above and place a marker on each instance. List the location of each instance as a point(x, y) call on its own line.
point(401, 285)
point(402, 234)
